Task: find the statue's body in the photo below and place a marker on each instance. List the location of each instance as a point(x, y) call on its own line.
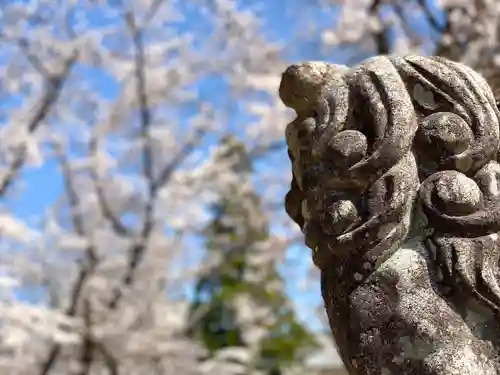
point(397, 189)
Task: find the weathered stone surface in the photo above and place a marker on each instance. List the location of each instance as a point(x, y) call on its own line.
point(396, 187)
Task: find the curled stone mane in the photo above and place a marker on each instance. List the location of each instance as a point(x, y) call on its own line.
point(393, 151)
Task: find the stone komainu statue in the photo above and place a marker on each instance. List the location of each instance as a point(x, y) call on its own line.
point(396, 187)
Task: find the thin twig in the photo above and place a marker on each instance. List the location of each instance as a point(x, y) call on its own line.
point(184, 152)
point(264, 150)
point(431, 18)
point(117, 225)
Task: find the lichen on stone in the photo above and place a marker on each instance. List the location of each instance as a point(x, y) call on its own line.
point(396, 188)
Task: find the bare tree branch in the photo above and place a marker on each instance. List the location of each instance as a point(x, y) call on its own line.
point(451, 49)
point(109, 360)
point(140, 246)
point(137, 250)
point(381, 37)
point(145, 119)
point(87, 265)
point(106, 210)
point(177, 159)
point(88, 347)
point(431, 18)
point(152, 11)
point(263, 150)
point(91, 347)
point(53, 88)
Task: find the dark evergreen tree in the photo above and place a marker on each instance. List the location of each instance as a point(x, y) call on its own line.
point(233, 237)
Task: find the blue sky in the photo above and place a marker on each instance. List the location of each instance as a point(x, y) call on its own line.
point(42, 186)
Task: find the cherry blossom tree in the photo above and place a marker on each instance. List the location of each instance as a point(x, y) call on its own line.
point(128, 102)
point(128, 99)
point(465, 31)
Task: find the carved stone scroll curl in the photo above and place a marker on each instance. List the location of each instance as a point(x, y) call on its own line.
point(396, 187)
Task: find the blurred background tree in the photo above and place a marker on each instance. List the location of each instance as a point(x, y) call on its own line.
point(241, 274)
point(143, 169)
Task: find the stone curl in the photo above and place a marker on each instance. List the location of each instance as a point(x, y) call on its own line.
point(371, 141)
point(396, 186)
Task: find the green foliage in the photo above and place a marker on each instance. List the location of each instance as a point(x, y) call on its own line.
point(233, 238)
